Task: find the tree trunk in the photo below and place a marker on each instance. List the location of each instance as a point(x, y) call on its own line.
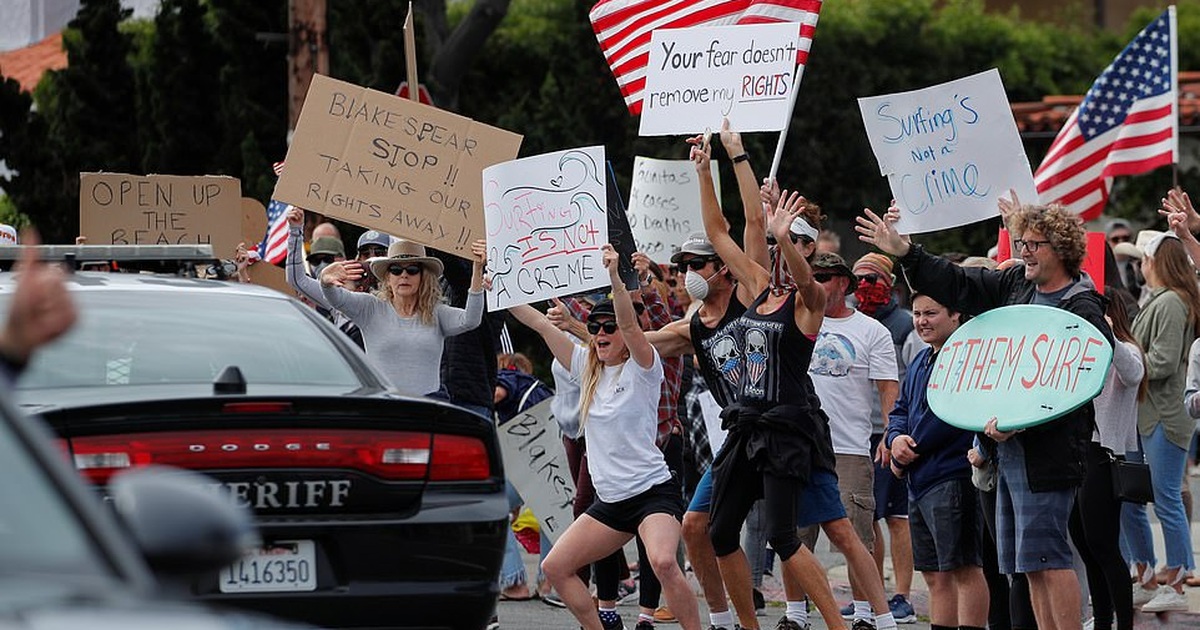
point(454, 51)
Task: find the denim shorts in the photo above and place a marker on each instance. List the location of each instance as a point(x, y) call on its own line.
point(820, 501)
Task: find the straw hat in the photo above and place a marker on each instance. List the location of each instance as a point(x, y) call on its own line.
point(404, 251)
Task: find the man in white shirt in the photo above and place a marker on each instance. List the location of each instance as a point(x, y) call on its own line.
point(853, 360)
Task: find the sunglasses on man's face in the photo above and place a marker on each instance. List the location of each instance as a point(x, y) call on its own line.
point(412, 270)
point(695, 264)
point(608, 326)
point(372, 251)
point(869, 278)
point(320, 259)
point(824, 277)
point(1119, 238)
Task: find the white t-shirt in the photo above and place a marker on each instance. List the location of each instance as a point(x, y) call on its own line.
point(565, 404)
point(851, 352)
point(621, 426)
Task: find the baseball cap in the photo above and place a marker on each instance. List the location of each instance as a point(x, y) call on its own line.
point(696, 245)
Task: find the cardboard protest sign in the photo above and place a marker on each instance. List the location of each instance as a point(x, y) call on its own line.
point(536, 464)
point(546, 223)
point(389, 164)
point(695, 77)
point(254, 221)
point(664, 205)
point(948, 151)
point(620, 235)
point(1023, 364)
point(122, 209)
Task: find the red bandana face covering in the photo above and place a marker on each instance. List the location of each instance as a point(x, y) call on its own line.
point(872, 296)
point(781, 279)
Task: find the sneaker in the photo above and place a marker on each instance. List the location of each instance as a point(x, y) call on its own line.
point(494, 624)
point(760, 603)
point(625, 592)
point(1142, 595)
point(901, 609)
point(552, 599)
point(664, 615)
point(1090, 624)
point(617, 624)
point(788, 624)
point(848, 611)
point(862, 624)
point(1166, 599)
point(644, 625)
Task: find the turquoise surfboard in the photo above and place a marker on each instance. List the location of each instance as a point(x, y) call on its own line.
point(1023, 364)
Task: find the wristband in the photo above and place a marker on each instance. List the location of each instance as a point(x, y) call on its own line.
point(740, 158)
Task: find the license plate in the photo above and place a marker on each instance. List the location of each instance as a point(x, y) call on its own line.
point(286, 565)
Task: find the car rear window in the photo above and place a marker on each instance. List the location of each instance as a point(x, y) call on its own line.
point(173, 337)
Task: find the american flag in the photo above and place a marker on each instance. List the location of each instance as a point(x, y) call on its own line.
point(1127, 124)
point(273, 249)
point(623, 28)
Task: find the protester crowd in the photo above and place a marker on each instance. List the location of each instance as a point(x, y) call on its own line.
point(820, 370)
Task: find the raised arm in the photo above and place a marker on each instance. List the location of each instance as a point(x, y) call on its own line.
point(557, 341)
point(810, 309)
point(754, 235)
point(640, 349)
point(743, 267)
point(1181, 215)
point(672, 340)
point(294, 266)
point(456, 321)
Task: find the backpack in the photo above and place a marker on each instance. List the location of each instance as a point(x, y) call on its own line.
point(524, 391)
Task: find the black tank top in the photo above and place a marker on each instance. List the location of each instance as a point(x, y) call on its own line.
point(776, 356)
point(719, 351)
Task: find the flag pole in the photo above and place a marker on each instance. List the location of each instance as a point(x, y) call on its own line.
point(791, 108)
point(1174, 97)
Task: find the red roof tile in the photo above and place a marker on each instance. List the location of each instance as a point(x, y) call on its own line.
point(1049, 114)
point(28, 64)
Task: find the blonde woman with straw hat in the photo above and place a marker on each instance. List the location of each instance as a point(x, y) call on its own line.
point(405, 323)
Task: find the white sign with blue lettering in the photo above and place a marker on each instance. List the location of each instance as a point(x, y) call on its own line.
point(949, 151)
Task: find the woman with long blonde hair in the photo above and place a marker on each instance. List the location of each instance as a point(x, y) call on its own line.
point(404, 323)
point(620, 376)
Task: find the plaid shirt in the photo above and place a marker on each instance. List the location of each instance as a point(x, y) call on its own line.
point(668, 400)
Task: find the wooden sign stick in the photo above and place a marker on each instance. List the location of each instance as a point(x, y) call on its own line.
point(410, 56)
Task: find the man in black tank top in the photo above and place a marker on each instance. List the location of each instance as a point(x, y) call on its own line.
point(710, 334)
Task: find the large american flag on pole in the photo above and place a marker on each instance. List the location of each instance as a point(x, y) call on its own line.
point(1126, 125)
point(623, 28)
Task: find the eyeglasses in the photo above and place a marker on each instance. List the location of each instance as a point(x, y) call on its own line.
point(320, 259)
point(695, 264)
point(372, 251)
point(608, 326)
point(397, 269)
point(1119, 238)
point(1032, 246)
point(824, 277)
point(869, 278)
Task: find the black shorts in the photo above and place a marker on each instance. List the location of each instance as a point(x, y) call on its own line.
point(944, 530)
point(626, 515)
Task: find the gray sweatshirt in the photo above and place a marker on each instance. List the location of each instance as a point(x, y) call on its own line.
point(1116, 405)
point(407, 351)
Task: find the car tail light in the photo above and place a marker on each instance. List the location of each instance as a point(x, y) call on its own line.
point(391, 455)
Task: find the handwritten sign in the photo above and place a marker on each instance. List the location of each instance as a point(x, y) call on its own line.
point(389, 164)
point(536, 464)
point(664, 205)
point(948, 151)
point(546, 222)
point(695, 77)
point(1023, 364)
point(121, 209)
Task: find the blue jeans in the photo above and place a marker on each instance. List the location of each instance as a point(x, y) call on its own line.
point(1137, 545)
point(512, 572)
point(1167, 462)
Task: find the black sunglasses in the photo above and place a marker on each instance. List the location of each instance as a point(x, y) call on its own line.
point(824, 277)
point(869, 278)
point(372, 250)
point(608, 326)
point(397, 269)
point(695, 264)
point(320, 259)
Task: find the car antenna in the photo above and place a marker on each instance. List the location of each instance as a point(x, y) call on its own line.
point(229, 381)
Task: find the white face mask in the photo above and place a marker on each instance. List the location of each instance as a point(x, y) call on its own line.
point(696, 285)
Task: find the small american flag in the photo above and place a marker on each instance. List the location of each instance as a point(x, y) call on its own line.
point(278, 168)
point(273, 249)
point(623, 28)
point(1127, 124)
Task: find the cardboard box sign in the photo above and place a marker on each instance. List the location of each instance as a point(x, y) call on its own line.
point(392, 165)
point(123, 209)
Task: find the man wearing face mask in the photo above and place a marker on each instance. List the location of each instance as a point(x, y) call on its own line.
point(324, 250)
point(874, 297)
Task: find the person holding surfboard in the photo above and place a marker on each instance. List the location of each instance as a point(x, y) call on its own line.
point(1042, 467)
